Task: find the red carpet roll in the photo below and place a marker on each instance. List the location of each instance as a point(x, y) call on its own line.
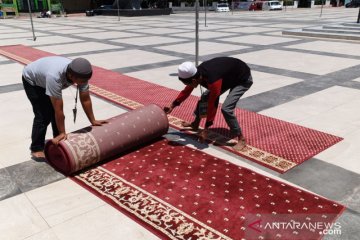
point(90, 145)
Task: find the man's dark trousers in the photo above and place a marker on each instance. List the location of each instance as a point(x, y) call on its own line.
point(228, 107)
point(44, 115)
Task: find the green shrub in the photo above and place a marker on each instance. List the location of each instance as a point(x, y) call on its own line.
point(288, 3)
point(319, 2)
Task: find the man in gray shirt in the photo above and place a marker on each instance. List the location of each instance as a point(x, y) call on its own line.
point(43, 82)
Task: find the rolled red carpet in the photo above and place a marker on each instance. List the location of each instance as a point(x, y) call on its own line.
point(90, 145)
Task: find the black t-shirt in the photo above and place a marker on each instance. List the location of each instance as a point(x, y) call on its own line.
point(232, 71)
point(219, 75)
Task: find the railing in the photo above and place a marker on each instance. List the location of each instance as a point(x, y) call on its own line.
point(6, 8)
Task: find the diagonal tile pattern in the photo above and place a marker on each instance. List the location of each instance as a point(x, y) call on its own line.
point(308, 81)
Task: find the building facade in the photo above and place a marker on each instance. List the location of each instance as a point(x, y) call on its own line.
point(68, 6)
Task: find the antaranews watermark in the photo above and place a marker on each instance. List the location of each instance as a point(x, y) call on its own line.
point(335, 230)
point(290, 226)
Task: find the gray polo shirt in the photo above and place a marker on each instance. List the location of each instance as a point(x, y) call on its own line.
point(50, 73)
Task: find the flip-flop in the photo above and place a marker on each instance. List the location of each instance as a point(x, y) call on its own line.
point(38, 159)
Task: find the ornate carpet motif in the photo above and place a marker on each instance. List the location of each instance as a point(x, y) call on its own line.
point(271, 142)
point(182, 193)
point(84, 148)
point(172, 222)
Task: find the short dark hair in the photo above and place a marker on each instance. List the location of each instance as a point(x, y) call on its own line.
point(188, 81)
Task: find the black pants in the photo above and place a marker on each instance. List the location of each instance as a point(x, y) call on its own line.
point(44, 115)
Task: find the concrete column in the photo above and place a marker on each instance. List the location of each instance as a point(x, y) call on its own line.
point(327, 3)
point(182, 4)
point(296, 4)
point(312, 3)
point(170, 4)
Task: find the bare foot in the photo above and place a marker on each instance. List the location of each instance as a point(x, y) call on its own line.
point(240, 145)
point(189, 125)
point(39, 154)
point(225, 142)
point(231, 142)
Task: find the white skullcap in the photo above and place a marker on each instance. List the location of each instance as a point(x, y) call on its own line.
point(186, 70)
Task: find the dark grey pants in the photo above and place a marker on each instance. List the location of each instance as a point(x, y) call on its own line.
point(229, 105)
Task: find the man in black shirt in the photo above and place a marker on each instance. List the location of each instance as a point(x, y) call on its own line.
point(216, 75)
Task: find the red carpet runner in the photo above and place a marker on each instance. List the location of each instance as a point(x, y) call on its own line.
point(276, 144)
point(181, 193)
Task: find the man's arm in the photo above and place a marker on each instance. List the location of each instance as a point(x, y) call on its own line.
point(59, 118)
point(87, 106)
point(184, 94)
point(215, 92)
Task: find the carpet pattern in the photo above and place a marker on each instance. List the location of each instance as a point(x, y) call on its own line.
point(273, 143)
point(182, 193)
point(250, 152)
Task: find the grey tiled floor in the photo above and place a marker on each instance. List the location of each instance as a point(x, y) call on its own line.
point(307, 81)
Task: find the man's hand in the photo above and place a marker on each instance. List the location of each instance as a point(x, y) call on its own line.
point(168, 110)
point(98, 122)
point(58, 138)
point(87, 106)
point(203, 135)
